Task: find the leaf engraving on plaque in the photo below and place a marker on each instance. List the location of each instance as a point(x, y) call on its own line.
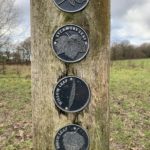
point(72, 94)
point(73, 141)
point(72, 2)
point(71, 45)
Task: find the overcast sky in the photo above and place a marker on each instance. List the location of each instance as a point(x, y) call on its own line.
point(130, 20)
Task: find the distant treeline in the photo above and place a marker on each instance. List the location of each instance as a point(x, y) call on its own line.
point(126, 50)
point(119, 51)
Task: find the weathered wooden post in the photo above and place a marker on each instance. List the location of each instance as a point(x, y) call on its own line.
point(47, 69)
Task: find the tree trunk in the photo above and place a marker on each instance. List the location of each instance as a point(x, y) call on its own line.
point(47, 69)
point(4, 65)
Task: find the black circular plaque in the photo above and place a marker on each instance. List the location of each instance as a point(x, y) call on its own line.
point(70, 43)
point(71, 5)
point(71, 137)
point(71, 94)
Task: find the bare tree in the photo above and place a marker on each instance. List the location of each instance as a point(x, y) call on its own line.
point(8, 16)
point(24, 50)
point(3, 62)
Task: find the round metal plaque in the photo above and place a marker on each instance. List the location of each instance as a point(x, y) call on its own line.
point(71, 94)
point(70, 43)
point(71, 5)
point(71, 137)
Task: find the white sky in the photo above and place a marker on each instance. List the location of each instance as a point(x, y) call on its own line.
point(130, 20)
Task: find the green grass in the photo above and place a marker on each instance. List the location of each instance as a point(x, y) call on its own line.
point(15, 111)
point(130, 97)
point(129, 105)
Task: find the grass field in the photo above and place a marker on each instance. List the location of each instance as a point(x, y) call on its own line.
point(129, 105)
point(15, 109)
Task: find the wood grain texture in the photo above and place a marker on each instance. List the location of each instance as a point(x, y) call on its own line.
point(47, 69)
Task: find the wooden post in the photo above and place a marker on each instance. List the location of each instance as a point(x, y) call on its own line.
point(47, 69)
